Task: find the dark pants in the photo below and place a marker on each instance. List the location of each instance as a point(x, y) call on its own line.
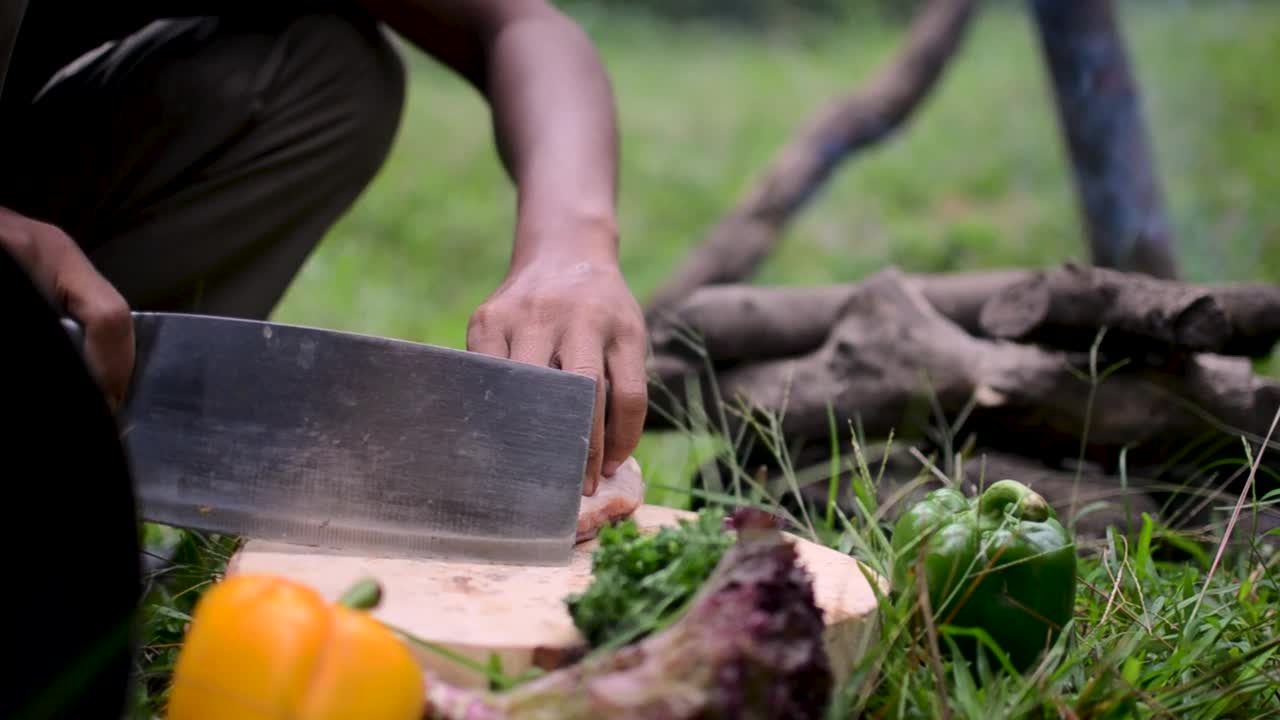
point(199, 161)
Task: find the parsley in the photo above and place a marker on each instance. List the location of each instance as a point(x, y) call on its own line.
point(642, 581)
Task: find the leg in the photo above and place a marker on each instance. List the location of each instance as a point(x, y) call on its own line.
point(200, 161)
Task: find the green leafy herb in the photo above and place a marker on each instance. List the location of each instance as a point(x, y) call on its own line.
point(642, 581)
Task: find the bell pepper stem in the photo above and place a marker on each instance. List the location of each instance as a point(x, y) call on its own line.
point(365, 594)
point(1027, 504)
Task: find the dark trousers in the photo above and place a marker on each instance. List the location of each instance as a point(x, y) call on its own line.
point(199, 161)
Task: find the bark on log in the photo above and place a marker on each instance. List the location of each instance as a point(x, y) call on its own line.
point(1100, 113)
point(1064, 308)
point(889, 348)
point(737, 245)
point(1061, 308)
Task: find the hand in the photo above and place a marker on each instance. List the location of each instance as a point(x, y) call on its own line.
point(579, 316)
point(69, 281)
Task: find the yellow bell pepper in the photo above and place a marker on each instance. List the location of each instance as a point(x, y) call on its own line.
point(268, 648)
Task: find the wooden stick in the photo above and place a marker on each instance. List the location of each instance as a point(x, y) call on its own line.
point(1066, 306)
point(1100, 113)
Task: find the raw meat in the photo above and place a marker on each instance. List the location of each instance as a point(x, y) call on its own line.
point(615, 499)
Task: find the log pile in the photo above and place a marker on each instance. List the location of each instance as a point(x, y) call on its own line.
point(1052, 367)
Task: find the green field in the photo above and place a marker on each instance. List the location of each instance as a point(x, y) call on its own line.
point(977, 180)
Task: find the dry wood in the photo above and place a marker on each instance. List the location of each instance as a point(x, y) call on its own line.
point(744, 237)
point(739, 323)
point(889, 349)
point(1064, 307)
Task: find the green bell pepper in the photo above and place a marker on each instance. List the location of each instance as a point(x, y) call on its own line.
point(1000, 561)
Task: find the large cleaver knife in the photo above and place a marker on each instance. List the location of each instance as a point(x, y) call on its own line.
point(352, 442)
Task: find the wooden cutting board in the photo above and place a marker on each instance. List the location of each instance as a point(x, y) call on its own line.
point(518, 612)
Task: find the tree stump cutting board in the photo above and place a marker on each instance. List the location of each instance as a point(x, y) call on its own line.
point(518, 612)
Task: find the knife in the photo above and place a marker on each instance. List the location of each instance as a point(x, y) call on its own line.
point(353, 442)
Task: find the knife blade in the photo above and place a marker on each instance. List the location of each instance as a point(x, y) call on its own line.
point(353, 442)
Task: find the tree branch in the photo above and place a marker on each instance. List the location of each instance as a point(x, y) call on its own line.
point(1101, 118)
point(741, 241)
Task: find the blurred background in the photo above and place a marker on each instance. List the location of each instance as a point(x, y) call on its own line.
point(709, 90)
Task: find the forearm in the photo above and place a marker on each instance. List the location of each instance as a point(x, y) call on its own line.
point(553, 113)
point(555, 124)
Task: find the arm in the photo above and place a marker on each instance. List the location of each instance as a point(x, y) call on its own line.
point(564, 301)
point(552, 107)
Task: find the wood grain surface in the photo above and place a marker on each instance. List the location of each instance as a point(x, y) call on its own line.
point(518, 612)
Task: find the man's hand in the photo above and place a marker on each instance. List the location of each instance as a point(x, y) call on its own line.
point(66, 277)
point(579, 316)
point(564, 301)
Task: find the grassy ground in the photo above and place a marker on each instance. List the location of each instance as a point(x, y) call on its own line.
point(976, 181)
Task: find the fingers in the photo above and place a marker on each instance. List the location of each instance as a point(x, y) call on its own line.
point(628, 403)
point(485, 335)
point(535, 346)
point(108, 328)
point(584, 355)
point(109, 345)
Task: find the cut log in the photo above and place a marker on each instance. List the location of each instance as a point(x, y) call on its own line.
point(1254, 311)
point(740, 242)
point(517, 613)
point(1065, 307)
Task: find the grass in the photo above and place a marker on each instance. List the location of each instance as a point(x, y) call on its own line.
point(977, 180)
point(1149, 638)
